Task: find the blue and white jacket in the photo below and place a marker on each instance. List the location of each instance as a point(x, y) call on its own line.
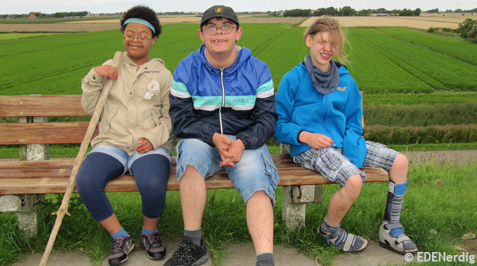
point(238, 100)
point(337, 115)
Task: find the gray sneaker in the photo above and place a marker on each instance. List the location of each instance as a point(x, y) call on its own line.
point(344, 241)
point(154, 247)
point(120, 249)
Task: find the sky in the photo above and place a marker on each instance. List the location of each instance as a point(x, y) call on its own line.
point(112, 6)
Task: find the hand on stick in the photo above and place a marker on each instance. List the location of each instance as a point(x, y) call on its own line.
point(108, 71)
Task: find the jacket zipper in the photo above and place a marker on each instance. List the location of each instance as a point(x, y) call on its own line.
point(325, 118)
point(223, 99)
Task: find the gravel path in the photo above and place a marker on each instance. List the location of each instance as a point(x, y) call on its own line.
point(454, 156)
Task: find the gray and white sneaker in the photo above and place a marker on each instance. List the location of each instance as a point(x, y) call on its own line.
point(154, 247)
point(120, 249)
point(399, 243)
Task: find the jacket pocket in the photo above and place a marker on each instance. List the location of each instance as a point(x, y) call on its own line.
point(270, 169)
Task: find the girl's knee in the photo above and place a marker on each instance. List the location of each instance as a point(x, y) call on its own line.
point(399, 169)
point(353, 186)
point(401, 161)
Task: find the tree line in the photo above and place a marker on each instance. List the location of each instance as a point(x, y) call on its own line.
point(349, 11)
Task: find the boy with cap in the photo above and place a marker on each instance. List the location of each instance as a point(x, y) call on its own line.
point(223, 109)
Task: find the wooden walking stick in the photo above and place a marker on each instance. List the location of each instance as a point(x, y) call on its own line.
point(79, 160)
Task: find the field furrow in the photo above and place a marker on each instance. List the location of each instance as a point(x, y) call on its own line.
point(376, 72)
point(452, 73)
point(450, 46)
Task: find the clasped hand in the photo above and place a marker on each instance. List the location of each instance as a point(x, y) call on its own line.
point(230, 151)
point(144, 145)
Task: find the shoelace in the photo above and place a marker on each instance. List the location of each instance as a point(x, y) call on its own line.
point(117, 243)
point(153, 239)
point(184, 251)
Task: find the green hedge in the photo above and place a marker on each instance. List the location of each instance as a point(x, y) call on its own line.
point(421, 114)
point(420, 135)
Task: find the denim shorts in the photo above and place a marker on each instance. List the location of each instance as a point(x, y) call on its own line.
point(335, 167)
point(254, 172)
point(126, 159)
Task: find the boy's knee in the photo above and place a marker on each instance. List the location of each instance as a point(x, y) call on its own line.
point(191, 171)
point(191, 174)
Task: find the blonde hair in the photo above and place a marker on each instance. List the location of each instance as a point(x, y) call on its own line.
point(326, 23)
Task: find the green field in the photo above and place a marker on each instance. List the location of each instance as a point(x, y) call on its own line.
point(413, 83)
point(409, 77)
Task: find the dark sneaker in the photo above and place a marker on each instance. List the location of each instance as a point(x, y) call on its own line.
point(120, 249)
point(154, 247)
point(188, 254)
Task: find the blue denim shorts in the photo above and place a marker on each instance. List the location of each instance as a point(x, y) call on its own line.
point(126, 159)
point(254, 172)
point(335, 167)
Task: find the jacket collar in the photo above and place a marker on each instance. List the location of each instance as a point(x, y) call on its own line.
point(153, 64)
point(243, 55)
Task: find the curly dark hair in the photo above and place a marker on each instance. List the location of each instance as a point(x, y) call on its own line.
point(143, 12)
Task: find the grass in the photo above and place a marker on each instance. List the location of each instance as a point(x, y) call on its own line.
point(438, 207)
point(438, 210)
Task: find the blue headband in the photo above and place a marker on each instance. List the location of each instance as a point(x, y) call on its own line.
point(140, 21)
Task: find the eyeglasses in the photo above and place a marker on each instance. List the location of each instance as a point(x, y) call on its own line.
point(226, 29)
point(141, 38)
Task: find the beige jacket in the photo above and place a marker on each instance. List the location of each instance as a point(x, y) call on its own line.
point(137, 106)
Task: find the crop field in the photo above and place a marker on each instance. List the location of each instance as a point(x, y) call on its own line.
point(411, 78)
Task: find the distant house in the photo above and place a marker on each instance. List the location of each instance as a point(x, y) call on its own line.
point(34, 14)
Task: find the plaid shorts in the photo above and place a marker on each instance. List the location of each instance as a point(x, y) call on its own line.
point(335, 167)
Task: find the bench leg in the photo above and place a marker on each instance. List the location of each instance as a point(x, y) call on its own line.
point(293, 214)
point(26, 207)
point(294, 203)
point(27, 222)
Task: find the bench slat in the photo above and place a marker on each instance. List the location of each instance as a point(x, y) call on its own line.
point(41, 177)
point(126, 183)
point(41, 105)
point(43, 133)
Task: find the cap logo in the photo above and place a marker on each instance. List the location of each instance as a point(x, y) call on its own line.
point(218, 10)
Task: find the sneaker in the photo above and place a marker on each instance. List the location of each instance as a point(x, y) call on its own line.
point(120, 249)
point(344, 241)
point(188, 254)
point(154, 247)
point(399, 243)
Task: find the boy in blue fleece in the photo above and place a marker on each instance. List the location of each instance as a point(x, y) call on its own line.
point(320, 116)
point(223, 108)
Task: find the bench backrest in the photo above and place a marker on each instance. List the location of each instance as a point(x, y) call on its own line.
point(39, 131)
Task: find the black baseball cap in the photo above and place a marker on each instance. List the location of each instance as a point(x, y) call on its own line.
point(219, 11)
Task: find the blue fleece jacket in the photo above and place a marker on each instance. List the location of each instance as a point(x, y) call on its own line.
point(238, 100)
point(337, 115)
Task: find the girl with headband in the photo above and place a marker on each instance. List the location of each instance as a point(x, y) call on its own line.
point(135, 134)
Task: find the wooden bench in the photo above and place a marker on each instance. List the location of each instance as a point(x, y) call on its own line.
point(24, 182)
